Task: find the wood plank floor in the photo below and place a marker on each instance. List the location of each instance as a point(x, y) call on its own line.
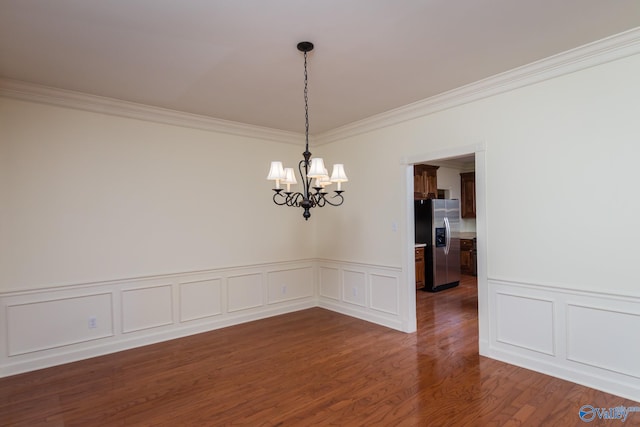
point(312, 367)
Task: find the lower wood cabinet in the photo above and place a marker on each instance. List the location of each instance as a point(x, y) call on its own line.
point(420, 268)
point(468, 263)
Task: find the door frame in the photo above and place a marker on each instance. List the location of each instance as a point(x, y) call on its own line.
point(479, 150)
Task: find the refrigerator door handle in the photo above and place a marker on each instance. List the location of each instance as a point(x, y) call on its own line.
point(448, 231)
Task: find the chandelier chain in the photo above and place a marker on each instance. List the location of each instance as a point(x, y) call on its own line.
point(306, 104)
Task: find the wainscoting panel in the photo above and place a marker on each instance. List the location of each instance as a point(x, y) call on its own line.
point(603, 338)
point(330, 283)
point(146, 308)
point(244, 292)
point(590, 338)
point(200, 299)
point(384, 293)
point(517, 314)
point(43, 325)
point(354, 286)
point(291, 284)
point(368, 292)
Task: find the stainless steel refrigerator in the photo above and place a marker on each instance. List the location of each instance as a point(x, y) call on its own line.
point(437, 224)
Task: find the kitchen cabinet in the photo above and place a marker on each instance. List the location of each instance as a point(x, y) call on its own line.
point(425, 182)
point(468, 262)
point(420, 268)
point(468, 195)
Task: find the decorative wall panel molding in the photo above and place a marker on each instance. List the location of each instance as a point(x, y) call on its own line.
point(385, 293)
point(200, 299)
point(329, 282)
point(525, 322)
point(145, 308)
point(354, 287)
point(366, 291)
point(244, 291)
point(586, 337)
point(291, 284)
point(44, 324)
point(604, 338)
point(47, 327)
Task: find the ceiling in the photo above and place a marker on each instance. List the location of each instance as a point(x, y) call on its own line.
point(237, 59)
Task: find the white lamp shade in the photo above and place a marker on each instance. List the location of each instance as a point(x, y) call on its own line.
point(290, 177)
point(324, 181)
point(317, 168)
point(276, 172)
point(338, 174)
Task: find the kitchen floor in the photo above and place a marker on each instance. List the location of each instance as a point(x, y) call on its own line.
point(451, 311)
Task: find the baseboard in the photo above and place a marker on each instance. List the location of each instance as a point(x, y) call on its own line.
point(625, 389)
point(361, 314)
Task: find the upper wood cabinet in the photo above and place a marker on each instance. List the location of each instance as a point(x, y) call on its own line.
point(425, 182)
point(468, 195)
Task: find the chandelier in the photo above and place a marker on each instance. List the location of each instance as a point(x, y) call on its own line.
point(310, 170)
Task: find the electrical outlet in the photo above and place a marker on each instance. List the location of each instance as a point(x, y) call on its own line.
point(93, 322)
point(284, 289)
point(354, 291)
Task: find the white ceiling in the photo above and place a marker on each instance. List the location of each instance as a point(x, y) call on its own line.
point(237, 59)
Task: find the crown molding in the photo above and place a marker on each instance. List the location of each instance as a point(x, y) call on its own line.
point(599, 52)
point(609, 49)
point(116, 107)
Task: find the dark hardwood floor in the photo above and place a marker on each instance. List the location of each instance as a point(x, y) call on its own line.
point(312, 367)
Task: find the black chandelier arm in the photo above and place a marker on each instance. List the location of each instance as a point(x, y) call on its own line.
point(338, 196)
point(284, 198)
point(320, 199)
point(296, 199)
point(315, 199)
point(279, 198)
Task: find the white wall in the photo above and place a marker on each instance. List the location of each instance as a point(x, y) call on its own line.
point(560, 160)
point(89, 197)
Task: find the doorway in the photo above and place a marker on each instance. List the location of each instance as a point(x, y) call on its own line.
point(459, 159)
